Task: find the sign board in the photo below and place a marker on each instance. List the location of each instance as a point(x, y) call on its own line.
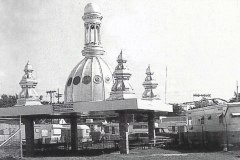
point(63, 108)
point(202, 95)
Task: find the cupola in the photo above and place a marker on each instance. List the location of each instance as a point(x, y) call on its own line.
point(91, 79)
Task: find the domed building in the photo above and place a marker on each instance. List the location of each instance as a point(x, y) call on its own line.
point(91, 79)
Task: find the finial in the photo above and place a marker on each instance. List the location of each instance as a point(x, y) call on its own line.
point(121, 58)
point(28, 67)
point(149, 84)
point(148, 71)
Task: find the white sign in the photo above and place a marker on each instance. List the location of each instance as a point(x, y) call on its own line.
point(202, 95)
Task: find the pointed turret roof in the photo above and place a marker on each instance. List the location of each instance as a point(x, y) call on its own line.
point(28, 95)
point(28, 67)
point(121, 89)
point(150, 85)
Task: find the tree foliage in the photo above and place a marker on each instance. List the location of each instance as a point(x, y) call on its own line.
point(8, 101)
point(234, 99)
point(177, 110)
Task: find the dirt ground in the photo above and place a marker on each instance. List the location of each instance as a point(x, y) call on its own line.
point(155, 153)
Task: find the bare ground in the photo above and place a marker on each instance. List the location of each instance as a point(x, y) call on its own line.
point(152, 154)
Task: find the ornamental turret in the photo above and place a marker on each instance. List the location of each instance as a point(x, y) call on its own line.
point(150, 85)
point(92, 25)
point(28, 95)
point(91, 79)
point(121, 88)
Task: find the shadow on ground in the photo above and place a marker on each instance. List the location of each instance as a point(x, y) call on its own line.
point(69, 153)
point(193, 149)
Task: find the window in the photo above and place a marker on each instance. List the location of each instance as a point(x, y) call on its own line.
point(117, 130)
point(209, 117)
point(137, 127)
point(57, 131)
point(37, 130)
point(144, 126)
point(76, 80)
point(69, 81)
point(220, 118)
point(44, 133)
point(143, 135)
point(106, 129)
point(189, 120)
point(202, 120)
point(165, 130)
point(86, 79)
point(113, 130)
point(91, 128)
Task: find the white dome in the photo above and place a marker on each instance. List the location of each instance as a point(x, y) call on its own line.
point(90, 80)
point(28, 67)
point(92, 8)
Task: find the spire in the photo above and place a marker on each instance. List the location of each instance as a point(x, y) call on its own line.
point(121, 89)
point(28, 95)
point(28, 67)
point(92, 23)
point(149, 84)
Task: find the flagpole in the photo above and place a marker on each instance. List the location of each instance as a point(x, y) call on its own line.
point(166, 86)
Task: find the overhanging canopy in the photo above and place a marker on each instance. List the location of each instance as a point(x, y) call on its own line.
point(87, 107)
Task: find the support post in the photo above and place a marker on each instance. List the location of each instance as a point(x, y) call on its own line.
point(29, 132)
point(20, 136)
point(99, 34)
point(89, 38)
point(95, 34)
point(86, 33)
point(151, 127)
point(123, 129)
point(74, 138)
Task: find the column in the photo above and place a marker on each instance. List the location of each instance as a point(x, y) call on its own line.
point(151, 126)
point(123, 129)
point(89, 33)
point(99, 34)
point(86, 33)
point(95, 34)
point(74, 138)
point(29, 135)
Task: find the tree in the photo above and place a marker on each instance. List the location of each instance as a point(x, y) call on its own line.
point(177, 110)
point(141, 117)
point(40, 97)
point(7, 101)
point(234, 99)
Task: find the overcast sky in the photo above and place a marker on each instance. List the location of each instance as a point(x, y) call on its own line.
point(197, 40)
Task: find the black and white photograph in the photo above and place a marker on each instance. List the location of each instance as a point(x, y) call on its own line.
point(132, 80)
